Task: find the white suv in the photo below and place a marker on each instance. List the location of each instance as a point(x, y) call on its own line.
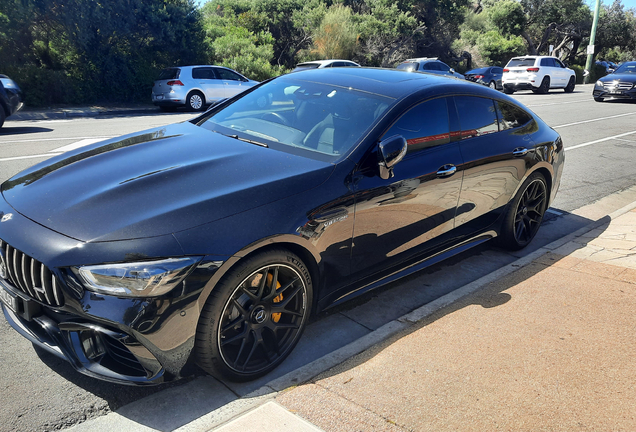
point(537, 73)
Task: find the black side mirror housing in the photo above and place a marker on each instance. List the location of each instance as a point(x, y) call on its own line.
point(390, 151)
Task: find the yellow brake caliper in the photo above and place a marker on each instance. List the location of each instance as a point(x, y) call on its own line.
point(277, 299)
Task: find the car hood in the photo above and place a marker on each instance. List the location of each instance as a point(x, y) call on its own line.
point(619, 77)
point(157, 182)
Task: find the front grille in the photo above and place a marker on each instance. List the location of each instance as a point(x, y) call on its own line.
point(31, 277)
point(618, 85)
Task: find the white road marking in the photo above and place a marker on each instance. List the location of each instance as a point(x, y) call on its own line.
point(593, 120)
point(47, 155)
point(77, 145)
point(558, 103)
point(600, 140)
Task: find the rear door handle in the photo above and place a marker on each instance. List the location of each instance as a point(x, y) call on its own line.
point(447, 170)
point(520, 151)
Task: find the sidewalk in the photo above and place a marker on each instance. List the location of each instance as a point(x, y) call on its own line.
point(549, 347)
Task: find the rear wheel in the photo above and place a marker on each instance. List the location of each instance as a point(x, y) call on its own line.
point(545, 86)
point(508, 90)
point(493, 85)
point(2, 116)
point(525, 213)
point(254, 316)
point(195, 101)
point(570, 87)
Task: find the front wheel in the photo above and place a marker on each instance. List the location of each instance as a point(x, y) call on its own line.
point(254, 316)
point(570, 87)
point(525, 213)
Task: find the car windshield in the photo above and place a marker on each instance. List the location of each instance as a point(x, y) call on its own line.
point(477, 71)
point(626, 68)
point(170, 73)
point(410, 66)
point(305, 116)
point(520, 62)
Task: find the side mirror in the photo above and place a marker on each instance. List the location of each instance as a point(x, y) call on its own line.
point(452, 70)
point(390, 151)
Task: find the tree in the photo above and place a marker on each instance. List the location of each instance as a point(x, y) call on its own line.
point(337, 36)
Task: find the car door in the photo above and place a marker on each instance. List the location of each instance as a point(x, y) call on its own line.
point(408, 214)
point(233, 82)
point(563, 72)
point(206, 79)
point(497, 74)
point(549, 69)
point(495, 161)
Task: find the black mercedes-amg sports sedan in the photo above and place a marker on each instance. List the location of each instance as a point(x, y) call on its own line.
point(620, 84)
point(211, 241)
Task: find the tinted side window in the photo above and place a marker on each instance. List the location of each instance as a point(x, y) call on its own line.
point(170, 73)
point(228, 75)
point(423, 126)
point(203, 73)
point(443, 67)
point(476, 116)
point(547, 62)
point(558, 63)
point(497, 70)
point(511, 116)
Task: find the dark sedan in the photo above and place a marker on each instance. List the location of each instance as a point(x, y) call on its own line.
point(10, 98)
point(489, 76)
point(212, 241)
point(618, 85)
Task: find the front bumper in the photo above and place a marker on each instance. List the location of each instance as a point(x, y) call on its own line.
point(611, 93)
point(134, 341)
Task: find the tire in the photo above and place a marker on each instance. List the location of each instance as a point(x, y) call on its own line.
point(570, 87)
point(493, 85)
point(195, 101)
point(2, 116)
point(246, 328)
point(544, 88)
point(525, 213)
point(598, 99)
point(508, 90)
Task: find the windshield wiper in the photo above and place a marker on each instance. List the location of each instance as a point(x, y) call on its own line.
point(244, 139)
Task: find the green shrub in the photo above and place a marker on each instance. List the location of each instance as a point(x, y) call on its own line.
point(578, 70)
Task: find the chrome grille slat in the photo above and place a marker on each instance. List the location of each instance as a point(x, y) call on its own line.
point(31, 277)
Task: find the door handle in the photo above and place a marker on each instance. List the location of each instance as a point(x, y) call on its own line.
point(447, 170)
point(520, 151)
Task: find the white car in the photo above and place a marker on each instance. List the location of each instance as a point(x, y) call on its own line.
point(321, 64)
point(537, 73)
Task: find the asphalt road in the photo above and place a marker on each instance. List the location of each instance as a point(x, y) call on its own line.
point(40, 392)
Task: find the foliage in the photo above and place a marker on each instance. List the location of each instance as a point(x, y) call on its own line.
point(336, 37)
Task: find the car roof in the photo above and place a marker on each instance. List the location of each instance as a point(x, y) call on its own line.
point(323, 62)
point(421, 59)
point(379, 81)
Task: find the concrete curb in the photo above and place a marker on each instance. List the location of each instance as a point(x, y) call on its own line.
point(315, 368)
point(78, 113)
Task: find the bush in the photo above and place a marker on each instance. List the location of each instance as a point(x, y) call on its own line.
point(578, 70)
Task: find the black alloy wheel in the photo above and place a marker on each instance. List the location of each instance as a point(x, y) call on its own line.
point(544, 88)
point(525, 214)
point(508, 90)
point(254, 316)
point(570, 87)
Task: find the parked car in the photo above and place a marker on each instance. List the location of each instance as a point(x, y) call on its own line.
point(196, 87)
point(489, 75)
point(618, 85)
point(214, 239)
point(321, 64)
point(537, 73)
point(430, 65)
point(10, 98)
point(609, 66)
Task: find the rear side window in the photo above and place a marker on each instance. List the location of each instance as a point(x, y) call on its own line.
point(411, 66)
point(203, 73)
point(425, 125)
point(521, 62)
point(443, 67)
point(170, 73)
point(511, 116)
point(228, 75)
point(547, 62)
point(497, 70)
point(477, 116)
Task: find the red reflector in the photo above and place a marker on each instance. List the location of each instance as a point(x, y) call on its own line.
point(506, 70)
point(174, 83)
point(533, 69)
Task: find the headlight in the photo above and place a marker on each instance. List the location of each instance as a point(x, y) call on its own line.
point(599, 83)
point(139, 279)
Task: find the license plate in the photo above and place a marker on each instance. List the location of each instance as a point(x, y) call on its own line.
point(616, 92)
point(8, 299)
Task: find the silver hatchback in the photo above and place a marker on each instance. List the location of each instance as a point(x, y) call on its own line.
point(197, 86)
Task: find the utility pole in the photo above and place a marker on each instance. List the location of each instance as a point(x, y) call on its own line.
point(590, 47)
